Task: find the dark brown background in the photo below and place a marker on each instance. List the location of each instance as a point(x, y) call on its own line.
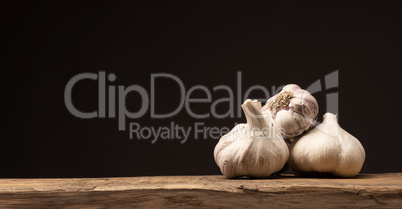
point(271, 43)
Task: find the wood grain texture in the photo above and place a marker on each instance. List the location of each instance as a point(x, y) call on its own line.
point(367, 190)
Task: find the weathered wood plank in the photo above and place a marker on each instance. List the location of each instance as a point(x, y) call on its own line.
point(368, 190)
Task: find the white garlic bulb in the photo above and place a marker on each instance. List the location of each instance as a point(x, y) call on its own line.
point(254, 149)
point(327, 149)
point(294, 110)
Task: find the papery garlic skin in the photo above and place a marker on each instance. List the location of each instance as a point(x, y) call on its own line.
point(255, 149)
point(327, 149)
point(294, 110)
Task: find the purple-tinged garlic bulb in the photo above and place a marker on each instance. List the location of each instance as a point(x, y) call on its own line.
point(294, 110)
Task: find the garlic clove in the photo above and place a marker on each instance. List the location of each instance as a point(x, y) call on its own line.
point(320, 156)
point(286, 123)
point(291, 87)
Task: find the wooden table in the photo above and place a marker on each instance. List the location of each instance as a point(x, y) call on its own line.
point(285, 191)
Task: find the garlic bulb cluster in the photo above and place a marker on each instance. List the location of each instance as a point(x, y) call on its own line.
point(294, 110)
point(327, 149)
point(254, 149)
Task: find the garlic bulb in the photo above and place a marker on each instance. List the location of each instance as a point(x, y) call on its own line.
point(293, 109)
point(254, 149)
point(327, 149)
